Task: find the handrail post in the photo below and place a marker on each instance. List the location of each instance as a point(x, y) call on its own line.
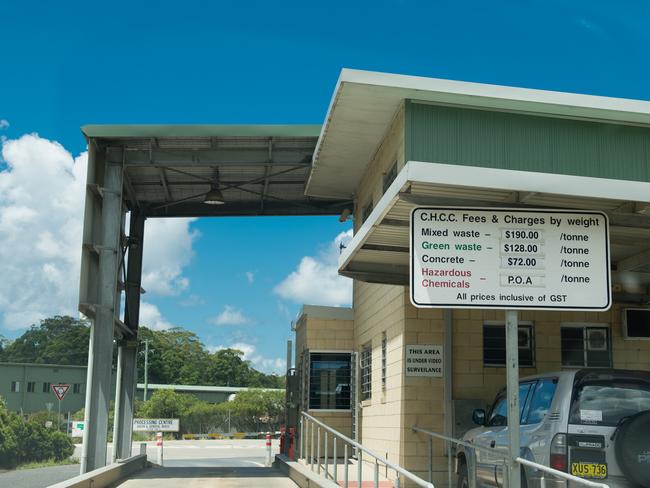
point(318, 450)
point(376, 477)
point(335, 459)
point(359, 466)
point(430, 460)
point(449, 464)
point(300, 455)
point(345, 467)
point(325, 463)
point(311, 447)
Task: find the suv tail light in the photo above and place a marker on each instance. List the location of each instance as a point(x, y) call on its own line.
point(559, 452)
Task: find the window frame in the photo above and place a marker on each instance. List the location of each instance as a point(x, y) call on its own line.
point(76, 388)
point(365, 372)
point(309, 353)
point(31, 386)
point(530, 325)
point(389, 176)
point(586, 326)
point(15, 387)
point(46, 386)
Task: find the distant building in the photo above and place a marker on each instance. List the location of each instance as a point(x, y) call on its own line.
point(26, 387)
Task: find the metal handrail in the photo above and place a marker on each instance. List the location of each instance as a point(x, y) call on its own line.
point(360, 449)
point(521, 461)
point(561, 474)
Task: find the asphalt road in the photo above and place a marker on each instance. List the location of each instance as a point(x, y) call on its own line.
point(234, 462)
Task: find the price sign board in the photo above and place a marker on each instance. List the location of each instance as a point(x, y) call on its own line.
point(510, 259)
point(157, 425)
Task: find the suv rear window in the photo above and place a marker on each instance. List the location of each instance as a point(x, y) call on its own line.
point(607, 402)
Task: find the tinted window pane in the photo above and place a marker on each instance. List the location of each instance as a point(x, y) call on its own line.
point(494, 345)
point(499, 413)
point(329, 381)
point(573, 344)
point(597, 403)
point(541, 400)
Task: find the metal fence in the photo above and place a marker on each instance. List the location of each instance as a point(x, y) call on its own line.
point(521, 461)
point(312, 431)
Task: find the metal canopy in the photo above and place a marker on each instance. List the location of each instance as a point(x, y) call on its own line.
point(168, 169)
point(379, 252)
point(364, 104)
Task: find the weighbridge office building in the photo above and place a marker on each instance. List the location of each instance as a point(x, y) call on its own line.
point(394, 142)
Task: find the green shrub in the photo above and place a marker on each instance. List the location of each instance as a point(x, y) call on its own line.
point(8, 442)
point(62, 446)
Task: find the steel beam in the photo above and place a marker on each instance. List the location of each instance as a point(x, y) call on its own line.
point(100, 353)
point(249, 208)
point(127, 371)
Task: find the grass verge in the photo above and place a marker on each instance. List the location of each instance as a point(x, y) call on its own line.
point(51, 462)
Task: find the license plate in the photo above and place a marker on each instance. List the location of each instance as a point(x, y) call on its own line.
point(589, 470)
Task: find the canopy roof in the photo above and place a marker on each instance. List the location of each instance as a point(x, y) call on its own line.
point(364, 104)
point(261, 169)
point(379, 251)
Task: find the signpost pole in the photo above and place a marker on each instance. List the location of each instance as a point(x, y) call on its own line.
point(512, 384)
point(58, 419)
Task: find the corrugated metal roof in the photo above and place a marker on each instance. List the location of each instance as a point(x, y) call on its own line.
point(198, 131)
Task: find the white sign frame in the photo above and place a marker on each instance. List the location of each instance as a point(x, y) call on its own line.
point(156, 425)
point(498, 228)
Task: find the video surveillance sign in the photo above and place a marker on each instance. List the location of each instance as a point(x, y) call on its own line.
point(510, 259)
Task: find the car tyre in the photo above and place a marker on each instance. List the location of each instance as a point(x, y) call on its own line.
point(463, 476)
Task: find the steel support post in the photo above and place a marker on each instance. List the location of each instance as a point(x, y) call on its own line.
point(512, 384)
point(128, 349)
point(100, 354)
point(447, 360)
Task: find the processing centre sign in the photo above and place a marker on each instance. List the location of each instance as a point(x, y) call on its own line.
point(465, 257)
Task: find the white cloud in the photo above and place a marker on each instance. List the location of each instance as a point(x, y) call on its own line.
point(167, 250)
point(151, 317)
point(42, 191)
point(250, 276)
point(230, 316)
point(259, 362)
point(4, 124)
point(316, 281)
point(192, 301)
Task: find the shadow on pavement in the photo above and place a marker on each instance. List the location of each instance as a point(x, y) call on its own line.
point(157, 472)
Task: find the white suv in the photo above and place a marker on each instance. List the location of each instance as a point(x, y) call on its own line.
point(591, 423)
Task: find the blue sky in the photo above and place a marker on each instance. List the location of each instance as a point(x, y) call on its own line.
point(66, 64)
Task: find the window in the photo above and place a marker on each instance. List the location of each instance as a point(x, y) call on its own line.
point(585, 346)
point(329, 381)
point(494, 345)
point(15, 386)
point(499, 413)
point(366, 372)
point(383, 360)
point(46, 387)
point(367, 210)
point(76, 388)
point(31, 386)
point(390, 176)
point(541, 400)
point(607, 401)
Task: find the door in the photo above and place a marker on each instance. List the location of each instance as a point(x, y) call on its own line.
point(486, 459)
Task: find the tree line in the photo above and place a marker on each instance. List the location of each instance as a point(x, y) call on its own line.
point(176, 356)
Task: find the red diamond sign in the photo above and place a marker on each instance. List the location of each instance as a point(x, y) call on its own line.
point(60, 390)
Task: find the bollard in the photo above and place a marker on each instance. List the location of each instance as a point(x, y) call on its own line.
point(268, 449)
point(143, 448)
point(159, 444)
